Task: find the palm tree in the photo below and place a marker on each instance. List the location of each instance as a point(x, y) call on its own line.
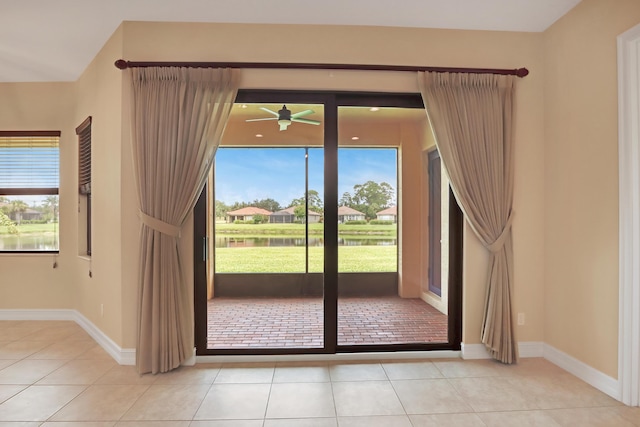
point(50, 203)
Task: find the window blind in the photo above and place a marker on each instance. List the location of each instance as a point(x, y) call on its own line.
point(29, 162)
point(84, 156)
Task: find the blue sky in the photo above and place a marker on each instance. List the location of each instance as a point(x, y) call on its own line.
point(247, 174)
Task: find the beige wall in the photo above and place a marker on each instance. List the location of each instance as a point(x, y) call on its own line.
point(581, 181)
point(99, 95)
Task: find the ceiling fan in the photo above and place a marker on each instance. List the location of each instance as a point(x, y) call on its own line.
point(285, 118)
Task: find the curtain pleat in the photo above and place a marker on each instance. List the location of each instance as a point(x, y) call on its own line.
point(178, 117)
point(471, 116)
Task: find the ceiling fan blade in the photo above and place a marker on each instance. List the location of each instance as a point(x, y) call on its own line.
point(269, 111)
point(302, 113)
point(307, 121)
point(260, 120)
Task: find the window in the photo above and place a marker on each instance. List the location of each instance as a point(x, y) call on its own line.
point(84, 183)
point(29, 181)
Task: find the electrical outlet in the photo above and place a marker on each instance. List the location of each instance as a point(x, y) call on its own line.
point(101, 310)
point(520, 319)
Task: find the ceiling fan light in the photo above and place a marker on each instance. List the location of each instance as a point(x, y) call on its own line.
point(284, 124)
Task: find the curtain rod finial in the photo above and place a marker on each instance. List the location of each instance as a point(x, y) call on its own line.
point(121, 64)
point(522, 72)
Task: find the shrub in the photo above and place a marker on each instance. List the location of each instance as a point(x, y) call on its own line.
point(34, 221)
point(259, 219)
point(356, 222)
point(380, 222)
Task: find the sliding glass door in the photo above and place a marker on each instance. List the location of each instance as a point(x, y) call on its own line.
point(298, 243)
point(380, 298)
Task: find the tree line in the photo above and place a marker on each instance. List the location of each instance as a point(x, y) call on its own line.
point(368, 198)
point(14, 210)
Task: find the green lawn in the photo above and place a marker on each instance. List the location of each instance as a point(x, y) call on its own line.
point(33, 229)
point(291, 259)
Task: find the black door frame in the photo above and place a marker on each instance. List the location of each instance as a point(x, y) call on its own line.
point(331, 102)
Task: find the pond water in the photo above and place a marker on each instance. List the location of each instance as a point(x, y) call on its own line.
point(50, 242)
point(240, 242)
point(29, 242)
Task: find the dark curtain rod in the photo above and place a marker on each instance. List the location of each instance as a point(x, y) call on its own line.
point(122, 64)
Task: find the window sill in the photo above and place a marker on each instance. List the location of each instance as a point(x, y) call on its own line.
point(29, 253)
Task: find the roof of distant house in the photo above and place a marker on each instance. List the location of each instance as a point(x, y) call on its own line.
point(393, 210)
point(28, 210)
point(346, 210)
point(249, 210)
point(290, 211)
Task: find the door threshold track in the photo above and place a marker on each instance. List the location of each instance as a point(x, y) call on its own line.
point(338, 357)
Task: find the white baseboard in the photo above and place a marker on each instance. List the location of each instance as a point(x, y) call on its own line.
point(586, 373)
point(124, 356)
point(479, 351)
point(473, 351)
point(531, 349)
point(191, 361)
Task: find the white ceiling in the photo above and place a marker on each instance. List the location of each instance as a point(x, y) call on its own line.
point(54, 40)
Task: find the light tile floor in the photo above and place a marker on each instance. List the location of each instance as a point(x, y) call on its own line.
point(54, 374)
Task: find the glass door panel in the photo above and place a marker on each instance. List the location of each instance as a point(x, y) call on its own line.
point(254, 231)
point(267, 281)
point(375, 307)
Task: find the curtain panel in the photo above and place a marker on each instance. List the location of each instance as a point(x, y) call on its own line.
point(178, 118)
point(471, 116)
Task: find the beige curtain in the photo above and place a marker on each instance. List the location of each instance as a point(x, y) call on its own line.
point(178, 117)
point(471, 116)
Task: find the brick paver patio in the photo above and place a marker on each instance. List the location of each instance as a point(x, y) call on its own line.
point(298, 322)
